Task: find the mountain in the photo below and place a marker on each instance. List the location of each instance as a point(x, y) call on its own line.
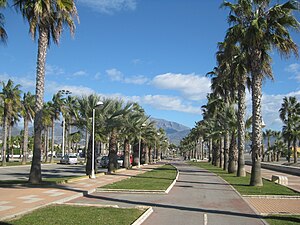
point(174, 131)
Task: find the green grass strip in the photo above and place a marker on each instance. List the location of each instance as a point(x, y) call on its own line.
point(241, 184)
point(283, 219)
point(157, 179)
point(79, 215)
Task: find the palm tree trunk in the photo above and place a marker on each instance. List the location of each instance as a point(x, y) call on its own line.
point(4, 148)
point(289, 150)
point(126, 163)
point(295, 150)
point(113, 163)
point(232, 154)
point(221, 156)
point(25, 142)
point(226, 150)
point(146, 154)
point(241, 172)
point(35, 176)
point(256, 179)
point(210, 150)
point(10, 147)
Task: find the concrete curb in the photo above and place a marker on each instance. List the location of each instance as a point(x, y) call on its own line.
point(143, 217)
point(174, 182)
point(272, 196)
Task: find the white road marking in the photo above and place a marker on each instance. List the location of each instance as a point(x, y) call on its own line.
point(205, 219)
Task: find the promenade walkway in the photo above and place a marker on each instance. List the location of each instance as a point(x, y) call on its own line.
point(198, 197)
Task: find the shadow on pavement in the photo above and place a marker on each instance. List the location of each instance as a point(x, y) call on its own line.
point(211, 211)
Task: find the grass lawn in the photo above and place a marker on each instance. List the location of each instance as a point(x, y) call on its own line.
point(62, 214)
point(283, 220)
point(241, 184)
point(157, 179)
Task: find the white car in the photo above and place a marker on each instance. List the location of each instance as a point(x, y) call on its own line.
point(69, 159)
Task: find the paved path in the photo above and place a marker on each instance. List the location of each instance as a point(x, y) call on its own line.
point(198, 197)
point(17, 200)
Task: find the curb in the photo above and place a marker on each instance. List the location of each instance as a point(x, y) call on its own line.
point(174, 182)
point(272, 196)
point(143, 217)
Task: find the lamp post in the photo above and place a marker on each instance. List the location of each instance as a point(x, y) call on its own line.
point(92, 176)
point(139, 163)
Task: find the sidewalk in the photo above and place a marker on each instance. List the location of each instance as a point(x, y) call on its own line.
point(276, 205)
point(19, 199)
point(199, 197)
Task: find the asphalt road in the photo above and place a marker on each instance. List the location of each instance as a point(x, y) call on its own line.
point(198, 198)
point(48, 171)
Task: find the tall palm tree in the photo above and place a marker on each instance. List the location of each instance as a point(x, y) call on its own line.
point(55, 110)
point(46, 18)
point(290, 108)
point(268, 134)
point(3, 34)
point(10, 96)
point(27, 113)
point(258, 28)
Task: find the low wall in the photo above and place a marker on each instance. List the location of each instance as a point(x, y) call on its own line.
point(279, 168)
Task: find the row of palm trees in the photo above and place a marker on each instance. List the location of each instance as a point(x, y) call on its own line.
point(115, 122)
point(243, 60)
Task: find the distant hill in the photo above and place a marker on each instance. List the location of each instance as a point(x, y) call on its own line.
point(175, 131)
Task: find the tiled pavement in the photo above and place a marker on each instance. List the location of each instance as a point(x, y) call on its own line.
point(18, 200)
point(273, 204)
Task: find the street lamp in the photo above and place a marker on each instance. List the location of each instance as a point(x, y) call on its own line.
point(93, 141)
point(139, 163)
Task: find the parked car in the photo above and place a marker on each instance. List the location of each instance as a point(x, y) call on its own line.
point(120, 160)
point(69, 159)
point(104, 161)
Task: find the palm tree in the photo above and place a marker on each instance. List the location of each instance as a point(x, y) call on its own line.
point(258, 28)
point(290, 108)
point(10, 96)
point(47, 18)
point(268, 134)
point(3, 34)
point(55, 110)
point(27, 113)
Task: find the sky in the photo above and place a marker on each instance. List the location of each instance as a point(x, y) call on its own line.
point(154, 52)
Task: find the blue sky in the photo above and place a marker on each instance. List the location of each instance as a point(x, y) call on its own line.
point(155, 52)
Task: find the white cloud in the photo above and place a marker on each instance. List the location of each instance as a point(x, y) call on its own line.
point(53, 87)
point(192, 86)
point(136, 80)
point(80, 73)
point(97, 76)
point(54, 70)
point(26, 82)
point(294, 69)
point(172, 103)
point(114, 74)
point(110, 6)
